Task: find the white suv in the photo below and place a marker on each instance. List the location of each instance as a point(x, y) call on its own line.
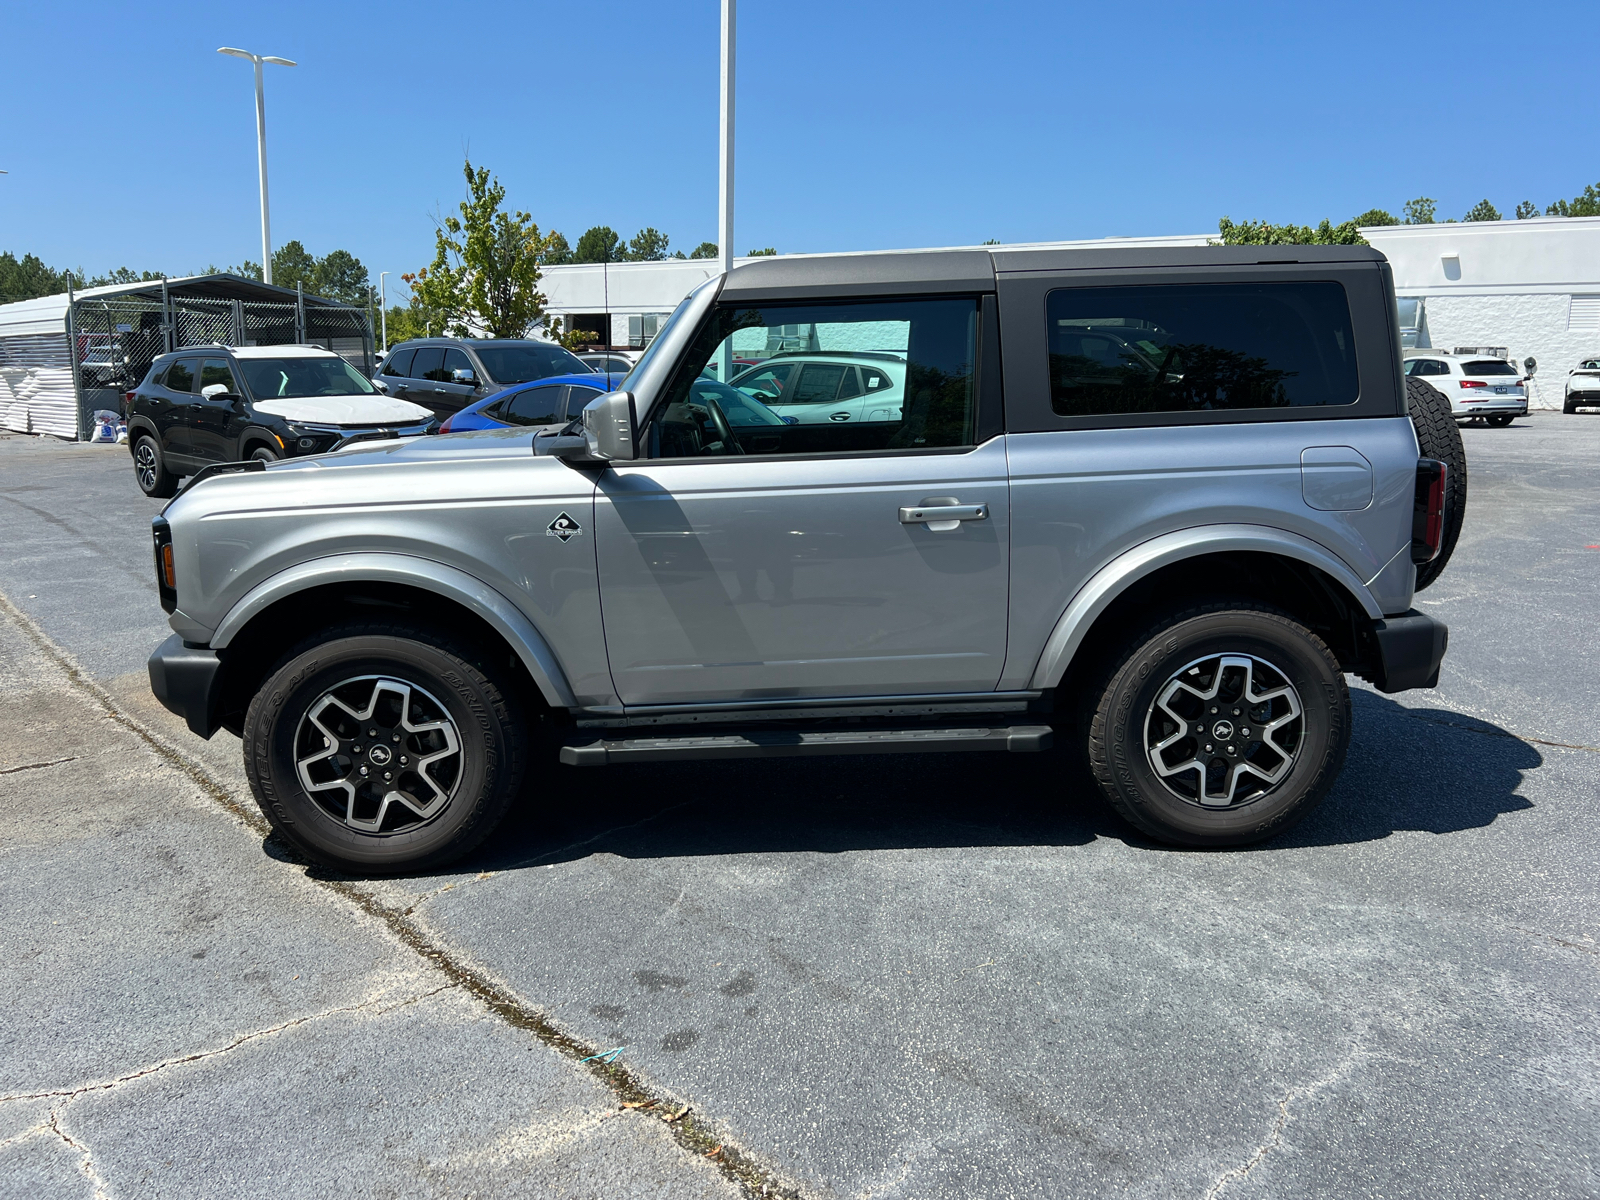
point(1477, 386)
point(810, 386)
point(1583, 386)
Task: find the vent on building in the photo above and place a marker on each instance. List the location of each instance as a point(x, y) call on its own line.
point(1584, 313)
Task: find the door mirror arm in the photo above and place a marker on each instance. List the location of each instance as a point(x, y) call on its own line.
point(604, 433)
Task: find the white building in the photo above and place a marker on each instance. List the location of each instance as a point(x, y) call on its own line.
point(1532, 287)
point(631, 300)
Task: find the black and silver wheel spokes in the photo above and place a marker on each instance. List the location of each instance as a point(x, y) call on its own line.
point(144, 463)
point(1224, 730)
point(378, 754)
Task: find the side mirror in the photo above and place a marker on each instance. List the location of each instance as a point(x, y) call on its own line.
point(464, 375)
point(381, 386)
point(609, 426)
point(607, 435)
point(216, 391)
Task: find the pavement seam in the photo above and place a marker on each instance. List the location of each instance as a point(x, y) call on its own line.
point(38, 766)
point(1274, 1137)
point(696, 1137)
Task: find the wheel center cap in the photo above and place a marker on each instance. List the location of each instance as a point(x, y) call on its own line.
point(380, 755)
point(1222, 730)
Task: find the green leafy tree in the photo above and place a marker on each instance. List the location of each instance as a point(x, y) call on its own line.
point(340, 276)
point(1527, 209)
point(485, 265)
point(556, 250)
point(1482, 211)
point(704, 250)
point(761, 253)
point(1375, 216)
point(123, 275)
point(600, 244)
point(1586, 205)
point(648, 245)
point(1260, 233)
point(1419, 211)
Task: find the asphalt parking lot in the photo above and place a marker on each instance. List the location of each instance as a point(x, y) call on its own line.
point(938, 977)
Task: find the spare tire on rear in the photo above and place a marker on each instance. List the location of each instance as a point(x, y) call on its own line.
point(1440, 438)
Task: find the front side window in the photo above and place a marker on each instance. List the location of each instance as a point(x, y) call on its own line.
point(215, 372)
point(533, 406)
point(526, 362)
point(834, 378)
point(1200, 347)
point(454, 360)
point(280, 378)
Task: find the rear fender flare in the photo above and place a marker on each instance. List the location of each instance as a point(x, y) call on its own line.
point(472, 593)
point(1111, 580)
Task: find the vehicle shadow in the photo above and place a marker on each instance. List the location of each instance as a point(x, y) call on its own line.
point(1408, 769)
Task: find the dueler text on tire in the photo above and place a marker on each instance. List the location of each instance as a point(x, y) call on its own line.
point(382, 748)
point(1439, 437)
point(1222, 725)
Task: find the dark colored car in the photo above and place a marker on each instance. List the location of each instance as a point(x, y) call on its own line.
point(217, 404)
point(450, 374)
point(552, 401)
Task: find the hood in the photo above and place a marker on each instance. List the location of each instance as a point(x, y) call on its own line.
point(345, 410)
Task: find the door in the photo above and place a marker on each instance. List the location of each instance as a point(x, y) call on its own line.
point(216, 419)
point(449, 395)
point(396, 373)
point(817, 570)
point(177, 395)
point(423, 382)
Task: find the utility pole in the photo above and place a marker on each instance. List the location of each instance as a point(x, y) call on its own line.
point(383, 311)
point(261, 150)
point(725, 162)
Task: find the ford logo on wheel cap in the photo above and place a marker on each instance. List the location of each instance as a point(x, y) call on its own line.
point(380, 755)
point(1222, 730)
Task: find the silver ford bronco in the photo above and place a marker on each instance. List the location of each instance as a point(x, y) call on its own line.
point(1151, 503)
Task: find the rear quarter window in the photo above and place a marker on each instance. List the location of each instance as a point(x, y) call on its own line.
point(1176, 348)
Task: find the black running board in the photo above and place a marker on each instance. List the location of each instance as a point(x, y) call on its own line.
point(783, 743)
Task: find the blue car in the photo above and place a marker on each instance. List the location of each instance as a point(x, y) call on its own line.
point(554, 400)
point(559, 398)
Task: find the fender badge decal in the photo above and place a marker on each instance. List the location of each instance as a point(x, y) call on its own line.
point(563, 527)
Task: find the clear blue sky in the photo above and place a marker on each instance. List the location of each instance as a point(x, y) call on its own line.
point(862, 123)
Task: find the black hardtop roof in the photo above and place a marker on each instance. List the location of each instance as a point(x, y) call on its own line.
point(931, 271)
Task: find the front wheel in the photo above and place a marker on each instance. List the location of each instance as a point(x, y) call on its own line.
point(262, 454)
point(1221, 726)
point(383, 748)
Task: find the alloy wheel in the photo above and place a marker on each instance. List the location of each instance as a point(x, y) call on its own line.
point(145, 464)
point(378, 754)
point(1224, 730)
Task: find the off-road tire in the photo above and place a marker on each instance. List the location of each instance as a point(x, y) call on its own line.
point(150, 471)
point(1440, 438)
point(1129, 688)
point(459, 676)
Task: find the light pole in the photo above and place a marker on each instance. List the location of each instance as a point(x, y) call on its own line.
point(383, 311)
point(725, 162)
point(261, 150)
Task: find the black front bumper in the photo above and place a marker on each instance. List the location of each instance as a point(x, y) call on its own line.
point(1410, 649)
point(188, 681)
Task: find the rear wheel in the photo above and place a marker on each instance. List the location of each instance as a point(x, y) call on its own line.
point(382, 748)
point(1500, 422)
point(1440, 438)
point(150, 469)
point(1221, 726)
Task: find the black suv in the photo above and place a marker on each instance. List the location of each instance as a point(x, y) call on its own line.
point(447, 374)
point(217, 404)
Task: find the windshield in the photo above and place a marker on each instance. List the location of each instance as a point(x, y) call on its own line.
point(1492, 366)
point(527, 361)
point(277, 378)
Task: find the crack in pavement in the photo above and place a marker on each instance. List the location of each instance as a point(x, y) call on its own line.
point(377, 1006)
point(737, 1164)
point(38, 766)
point(101, 1191)
point(1274, 1136)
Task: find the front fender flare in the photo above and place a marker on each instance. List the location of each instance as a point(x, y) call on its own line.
point(457, 585)
point(1109, 582)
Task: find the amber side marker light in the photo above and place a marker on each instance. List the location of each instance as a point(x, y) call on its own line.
point(168, 575)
